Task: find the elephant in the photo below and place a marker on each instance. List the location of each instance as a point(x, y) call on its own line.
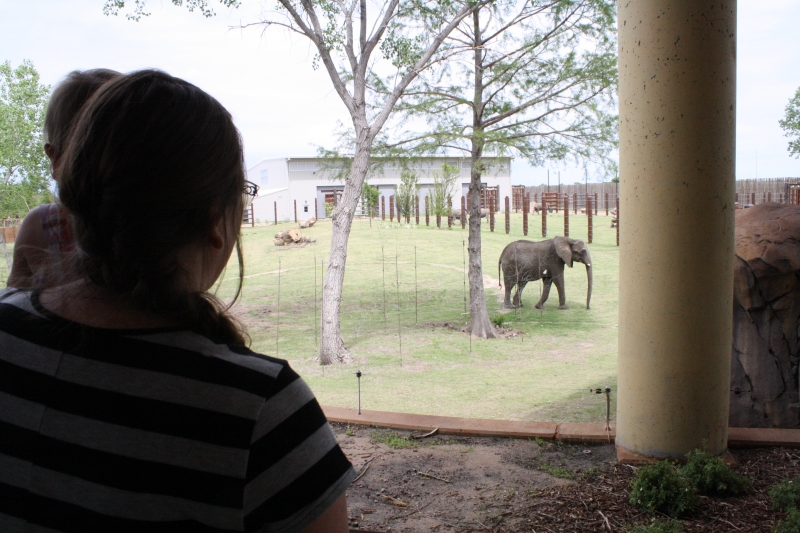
point(524, 261)
point(457, 213)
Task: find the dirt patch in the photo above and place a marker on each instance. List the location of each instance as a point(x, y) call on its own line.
point(503, 333)
point(461, 484)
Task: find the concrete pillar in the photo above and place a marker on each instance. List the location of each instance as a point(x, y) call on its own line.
point(677, 94)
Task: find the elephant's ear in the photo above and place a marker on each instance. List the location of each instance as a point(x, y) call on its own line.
point(563, 249)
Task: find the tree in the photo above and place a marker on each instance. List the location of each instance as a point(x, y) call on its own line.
point(533, 77)
point(371, 58)
point(24, 166)
point(791, 124)
point(369, 199)
point(442, 190)
point(406, 193)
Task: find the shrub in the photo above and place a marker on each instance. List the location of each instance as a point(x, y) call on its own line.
point(659, 526)
point(790, 524)
point(786, 494)
point(710, 475)
point(498, 320)
point(660, 488)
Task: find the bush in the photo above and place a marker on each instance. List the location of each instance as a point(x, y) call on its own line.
point(790, 524)
point(786, 494)
point(498, 320)
point(659, 526)
point(711, 476)
point(660, 488)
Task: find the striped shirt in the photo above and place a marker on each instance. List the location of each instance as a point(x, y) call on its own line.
point(154, 430)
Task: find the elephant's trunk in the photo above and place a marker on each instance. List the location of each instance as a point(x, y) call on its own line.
point(587, 260)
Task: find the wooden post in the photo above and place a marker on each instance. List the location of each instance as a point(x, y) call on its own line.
point(526, 205)
point(737, 198)
point(316, 212)
point(566, 215)
point(295, 211)
point(427, 213)
point(491, 216)
point(450, 220)
point(416, 209)
point(508, 217)
point(589, 214)
point(544, 217)
point(383, 208)
point(391, 210)
point(275, 204)
point(769, 196)
point(753, 198)
point(618, 219)
point(606, 204)
point(594, 204)
point(575, 203)
point(463, 212)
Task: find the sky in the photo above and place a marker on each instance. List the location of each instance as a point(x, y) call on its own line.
point(284, 108)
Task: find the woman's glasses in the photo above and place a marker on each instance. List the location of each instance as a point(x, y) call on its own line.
point(250, 191)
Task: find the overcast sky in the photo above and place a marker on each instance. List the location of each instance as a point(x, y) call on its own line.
point(285, 108)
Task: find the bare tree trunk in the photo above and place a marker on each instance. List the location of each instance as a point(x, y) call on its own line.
point(480, 325)
point(332, 348)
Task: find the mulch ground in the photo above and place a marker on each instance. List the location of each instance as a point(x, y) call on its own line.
point(463, 484)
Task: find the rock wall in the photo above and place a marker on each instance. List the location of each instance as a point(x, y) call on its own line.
point(766, 314)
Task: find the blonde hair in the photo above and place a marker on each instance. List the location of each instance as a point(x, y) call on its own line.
point(66, 101)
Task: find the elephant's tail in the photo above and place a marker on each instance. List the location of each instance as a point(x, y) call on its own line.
point(499, 264)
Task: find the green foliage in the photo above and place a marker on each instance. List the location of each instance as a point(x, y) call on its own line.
point(406, 193)
point(711, 476)
point(113, 7)
point(659, 526)
point(791, 124)
point(442, 191)
point(660, 488)
point(556, 471)
point(369, 198)
point(786, 494)
point(24, 167)
point(329, 207)
point(498, 320)
point(790, 524)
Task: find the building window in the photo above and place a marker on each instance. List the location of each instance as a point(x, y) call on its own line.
point(263, 178)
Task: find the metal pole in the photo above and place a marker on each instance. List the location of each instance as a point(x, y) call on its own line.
point(383, 268)
point(416, 293)
point(397, 292)
point(358, 375)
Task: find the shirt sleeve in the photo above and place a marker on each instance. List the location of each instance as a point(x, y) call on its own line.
point(296, 469)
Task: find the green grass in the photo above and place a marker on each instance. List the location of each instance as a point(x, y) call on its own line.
point(410, 363)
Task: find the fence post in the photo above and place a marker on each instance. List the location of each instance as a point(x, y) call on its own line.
point(575, 203)
point(544, 217)
point(275, 204)
point(736, 198)
point(427, 213)
point(491, 216)
point(295, 211)
point(566, 215)
point(391, 209)
point(450, 220)
point(606, 204)
point(769, 196)
point(383, 208)
point(526, 204)
point(438, 220)
point(618, 221)
point(508, 217)
point(594, 204)
point(589, 214)
point(316, 212)
point(416, 209)
point(753, 198)
point(463, 212)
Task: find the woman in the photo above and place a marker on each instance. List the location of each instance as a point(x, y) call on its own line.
point(128, 400)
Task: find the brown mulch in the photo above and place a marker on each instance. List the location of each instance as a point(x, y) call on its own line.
point(459, 484)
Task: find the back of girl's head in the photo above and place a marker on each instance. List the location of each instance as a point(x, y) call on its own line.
point(67, 99)
point(153, 164)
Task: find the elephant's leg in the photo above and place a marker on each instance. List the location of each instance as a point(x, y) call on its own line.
point(518, 295)
point(545, 292)
point(509, 284)
point(562, 296)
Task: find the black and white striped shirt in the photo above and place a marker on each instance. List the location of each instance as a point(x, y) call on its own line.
point(154, 430)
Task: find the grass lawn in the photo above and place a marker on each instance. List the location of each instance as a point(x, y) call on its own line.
point(402, 285)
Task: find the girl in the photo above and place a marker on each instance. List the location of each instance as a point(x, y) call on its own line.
point(128, 401)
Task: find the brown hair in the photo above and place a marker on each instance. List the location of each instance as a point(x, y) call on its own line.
point(152, 165)
point(66, 101)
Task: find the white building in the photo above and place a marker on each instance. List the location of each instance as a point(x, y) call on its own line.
point(308, 182)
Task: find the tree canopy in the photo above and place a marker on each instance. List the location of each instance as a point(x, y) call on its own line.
point(791, 124)
point(24, 166)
